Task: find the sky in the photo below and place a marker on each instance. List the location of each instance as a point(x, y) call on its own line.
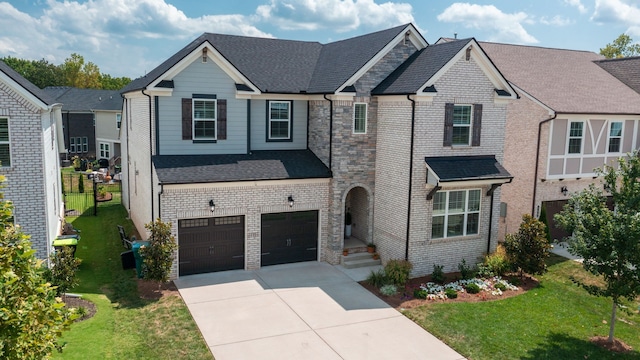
point(131, 37)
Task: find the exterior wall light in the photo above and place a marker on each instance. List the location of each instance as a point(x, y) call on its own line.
point(290, 200)
point(564, 190)
point(212, 206)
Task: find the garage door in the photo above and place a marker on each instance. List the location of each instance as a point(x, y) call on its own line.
point(211, 244)
point(289, 237)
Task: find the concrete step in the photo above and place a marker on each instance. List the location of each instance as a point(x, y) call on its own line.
point(358, 260)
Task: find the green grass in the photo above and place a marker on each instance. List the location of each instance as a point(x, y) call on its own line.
point(125, 326)
point(553, 321)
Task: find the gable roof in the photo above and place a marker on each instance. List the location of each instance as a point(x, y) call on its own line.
point(567, 81)
point(285, 66)
point(626, 70)
point(419, 68)
point(75, 99)
point(26, 84)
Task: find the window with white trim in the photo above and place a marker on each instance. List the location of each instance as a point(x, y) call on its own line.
point(462, 125)
point(85, 144)
point(360, 118)
point(118, 121)
point(204, 118)
point(279, 120)
point(575, 137)
point(5, 144)
point(72, 145)
point(105, 151)
point(455, 213)
point(615, 136)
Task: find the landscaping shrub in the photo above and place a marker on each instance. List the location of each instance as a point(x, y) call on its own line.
point(388, 290)
point(528, 248)
point(63, 269)
point(451, 294)
point(437, 275)
point(81, 183)
point(158, 256)
point(420, 293)
point(377, 278)
point(495, 264)
point(472, 288)
point(397, 271)
point(466, 272)
point(500, 286)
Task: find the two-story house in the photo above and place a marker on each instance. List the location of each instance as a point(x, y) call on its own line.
point(573, 117)
point(256, 149)
point(30, 136)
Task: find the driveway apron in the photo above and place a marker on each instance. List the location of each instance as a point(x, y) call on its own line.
point(301, 311)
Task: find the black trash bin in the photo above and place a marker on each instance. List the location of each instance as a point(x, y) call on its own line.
point(128, 260)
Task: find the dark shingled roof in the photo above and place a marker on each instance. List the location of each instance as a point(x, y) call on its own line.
point(626, 70)
point(74, 99)
point(419, 68)
point(285, 66)
point(463, 168)
point(26, 84)
point(259, 165)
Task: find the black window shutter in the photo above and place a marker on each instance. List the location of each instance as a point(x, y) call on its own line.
point(477, 124)
point(448, 124)
point(222, 119)
point(186, 119)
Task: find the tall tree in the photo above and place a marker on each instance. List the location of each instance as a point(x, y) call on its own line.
point(609, 240)
point(40, 72)
point(621, 47)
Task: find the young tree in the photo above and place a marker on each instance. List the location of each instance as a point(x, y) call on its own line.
point(609, 240)
point(158, 256)
point(62, 273)
point(620, 47)
point(528, 249)
point(31, 317)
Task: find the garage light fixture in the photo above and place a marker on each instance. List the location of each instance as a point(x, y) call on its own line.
point(212, 206)
point(290, 199)
point(564, 190)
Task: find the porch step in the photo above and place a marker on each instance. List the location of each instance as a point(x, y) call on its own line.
point(357, 260)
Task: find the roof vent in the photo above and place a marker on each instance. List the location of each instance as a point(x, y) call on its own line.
point(406, 37)
point(468, 53)
point(204, 55)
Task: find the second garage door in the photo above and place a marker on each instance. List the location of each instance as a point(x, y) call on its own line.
point(289, 237)
point(211, 244)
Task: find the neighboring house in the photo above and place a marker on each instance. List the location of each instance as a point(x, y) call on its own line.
point(626, 70)
point(573, 117)
point(91, 120)
point(255, 149)
point(30, 139)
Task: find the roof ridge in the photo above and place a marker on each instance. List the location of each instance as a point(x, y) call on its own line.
point(618, 59)
point(537, 47)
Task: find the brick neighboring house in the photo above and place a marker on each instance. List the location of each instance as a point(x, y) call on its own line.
point(572, 118)
point(30, 136)
point(91, 120)
point(255, 149)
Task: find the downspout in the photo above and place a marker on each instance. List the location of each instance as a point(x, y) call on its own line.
point(535, 176)
point(127, 124)
point(248, 126)
point(413, 125)
point(150, 154)
point(68, 133)
point(491, 192)
point(159, 199)
point(308, 112)
point(330, 132)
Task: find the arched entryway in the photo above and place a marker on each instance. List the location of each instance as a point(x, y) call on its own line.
point(357, 209)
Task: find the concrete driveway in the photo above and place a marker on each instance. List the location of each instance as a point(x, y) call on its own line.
point(301, 311)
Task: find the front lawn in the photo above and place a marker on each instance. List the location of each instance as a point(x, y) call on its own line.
point(125, 326)
point(553, 321)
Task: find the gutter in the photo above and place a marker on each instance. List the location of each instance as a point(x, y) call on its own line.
point(413, 126)
point(330, 132)
point(535, 176)
point(126, 107)
point(150, 153)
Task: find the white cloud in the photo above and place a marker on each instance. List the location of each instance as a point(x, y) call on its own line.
point(99, 29)
point(577, 4)
point(619, 12)
point(498, 25)
point(556, 21)
point(338, 15)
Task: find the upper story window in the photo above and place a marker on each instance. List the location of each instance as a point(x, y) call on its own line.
point(455, 213)
point(615, 136)
point(204, 118)
point(279, 121)
point(5, 144)
point(72, 144)
point(462, 124)
point(575, 137)
point(360, 118)
point(118, 121)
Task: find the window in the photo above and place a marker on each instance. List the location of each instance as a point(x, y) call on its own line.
point(204, 119)
point(360, 118)
point(455, 213)
point(105, 152)
point(575, 137)
point(72, 145)
point(85, 144)
point(615, 136)
point(5, 144)
point(118, 121)
point(279, 122)
point(461, 124)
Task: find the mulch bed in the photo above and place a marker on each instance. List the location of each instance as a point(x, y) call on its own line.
point(76, 302)
point(615, 346)
point(153, 290)
point(405, 300)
